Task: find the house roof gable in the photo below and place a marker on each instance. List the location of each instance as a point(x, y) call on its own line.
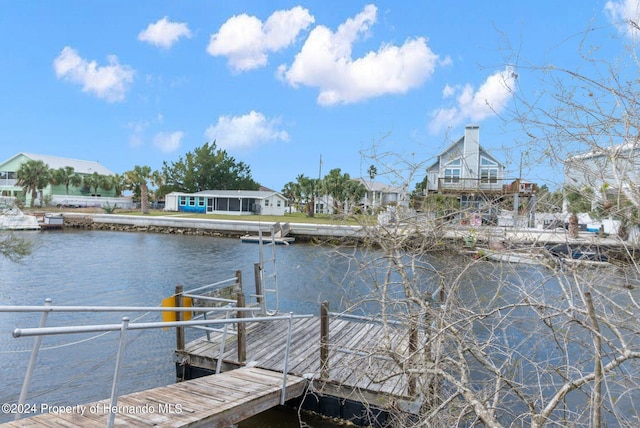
point(254, 194)
point(55, 162)
point(454, 146)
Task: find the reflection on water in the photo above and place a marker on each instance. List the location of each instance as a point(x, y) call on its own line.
point(140, 269)
point(133, 269)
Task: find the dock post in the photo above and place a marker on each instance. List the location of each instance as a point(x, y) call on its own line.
point(258, 281)
point(116, 374)
point(32, 363)
point(179, 317)
point(324, 340)
point(242, 329)
point(413, 347)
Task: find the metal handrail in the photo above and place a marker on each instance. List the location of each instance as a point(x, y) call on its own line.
point(119, 309)
point(97, 328)
point(123, 328)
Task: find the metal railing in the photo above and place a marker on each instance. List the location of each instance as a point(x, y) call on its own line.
point(126, 326)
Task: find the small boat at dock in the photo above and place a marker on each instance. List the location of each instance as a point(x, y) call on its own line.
point(12, 218)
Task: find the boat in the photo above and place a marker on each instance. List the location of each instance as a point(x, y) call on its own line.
point(12, 218)
point(527, 258)
point(557, 255)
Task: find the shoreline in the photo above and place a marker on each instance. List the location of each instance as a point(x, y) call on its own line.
point(313, 231)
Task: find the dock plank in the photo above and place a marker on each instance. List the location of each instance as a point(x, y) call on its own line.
point(216, 400)
point(358, 359)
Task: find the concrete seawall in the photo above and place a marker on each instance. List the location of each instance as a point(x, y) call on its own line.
point(309, 231)
point(213, 227)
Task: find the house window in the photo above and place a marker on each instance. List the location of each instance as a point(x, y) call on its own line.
point(182, 200)
point(266, 202)
point(201, 202)
point(488, 170)
point(192, 201)
point(452, 175)
point(488, 175)
point(278, 203)
point(452, 171)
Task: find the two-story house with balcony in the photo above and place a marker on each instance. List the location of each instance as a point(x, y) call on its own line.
point(57, 193)
point(465, 169)
point(465, 166)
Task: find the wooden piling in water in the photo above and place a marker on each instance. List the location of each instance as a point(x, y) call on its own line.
point(179, 317)
point(242, 329)
point(324, 340)
point(258, 282)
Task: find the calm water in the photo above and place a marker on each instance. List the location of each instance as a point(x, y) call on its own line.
point(134, 269)
point(140, 269)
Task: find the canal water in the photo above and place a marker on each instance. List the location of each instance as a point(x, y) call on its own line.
point(90, 268)
point(136, 269)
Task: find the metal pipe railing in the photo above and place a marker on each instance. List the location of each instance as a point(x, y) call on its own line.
point(119, 309)
point(97, 328)
point(126, 325)
point(215, 285)
point(32, 363)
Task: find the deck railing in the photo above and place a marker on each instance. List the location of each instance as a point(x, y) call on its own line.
point(243, 314)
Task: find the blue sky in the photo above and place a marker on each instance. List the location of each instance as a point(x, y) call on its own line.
point(279, 84)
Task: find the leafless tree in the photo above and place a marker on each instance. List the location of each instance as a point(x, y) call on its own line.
point(500, 344)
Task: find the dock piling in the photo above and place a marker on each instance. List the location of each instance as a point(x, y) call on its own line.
point(179, 317)
point(324, 340)
point(242, 329)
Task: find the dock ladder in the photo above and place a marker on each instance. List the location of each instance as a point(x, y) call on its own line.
point(268, 298)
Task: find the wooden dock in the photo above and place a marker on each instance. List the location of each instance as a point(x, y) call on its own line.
point(213, 401)
point(365, 361)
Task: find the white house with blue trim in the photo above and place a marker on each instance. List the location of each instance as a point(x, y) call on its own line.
point(229, 202)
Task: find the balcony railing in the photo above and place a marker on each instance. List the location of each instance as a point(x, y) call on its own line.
point(483, 185)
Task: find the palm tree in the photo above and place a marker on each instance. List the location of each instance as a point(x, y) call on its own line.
point(308, 187)
point(118, 184)
point(292, 192)
point(97, 181)
point(372, 171)
point(33, 175)
point(136, 180)
point(334, 185)
point(66, 176)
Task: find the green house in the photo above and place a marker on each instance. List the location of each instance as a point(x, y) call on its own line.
point(55, 193)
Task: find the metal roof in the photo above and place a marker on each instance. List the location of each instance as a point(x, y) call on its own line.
point(254, 194)
point(79, 166)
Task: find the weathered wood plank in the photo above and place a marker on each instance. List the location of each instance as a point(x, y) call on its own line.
point(217, 400)
point(360, 367)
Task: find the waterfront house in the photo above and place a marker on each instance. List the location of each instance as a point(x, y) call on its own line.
point(54, 193)
point(380, 195)
point(233, 202)
point(466, 167)
point(604, 171)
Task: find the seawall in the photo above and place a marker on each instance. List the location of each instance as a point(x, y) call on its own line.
point(204, 227)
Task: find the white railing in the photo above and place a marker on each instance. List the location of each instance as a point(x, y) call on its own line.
point(126, 325)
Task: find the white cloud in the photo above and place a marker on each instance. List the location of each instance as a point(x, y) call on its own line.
point(325, 62)
point(621, 13)
point(164, 33)
point(490, 99)
point(243, 132)
point(246, 41)
point(109, 82)
point(168, 141)
point(448, 91)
